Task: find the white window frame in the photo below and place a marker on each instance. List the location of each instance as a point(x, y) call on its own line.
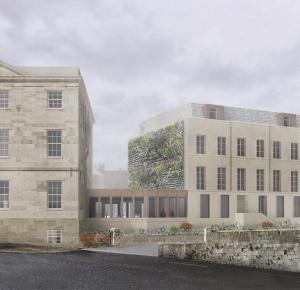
point(200, 178)
point(4, 194)
point(276, 180)
point(241, 147)
point(221, 178)
point(221, 144)
point(53, 235)
point(294, 151)
point(276, 150)
point(4, 141)
point(294, 181)
point(4, 99)
point(58, 94)
point(287, 121)
point(260, 179)
point(260, 148)
point(213, 113)
point(55, 144)
point(200, 144)
point(52, 194)
point(241, 179)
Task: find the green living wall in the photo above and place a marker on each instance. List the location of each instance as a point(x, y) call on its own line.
point(155, 160)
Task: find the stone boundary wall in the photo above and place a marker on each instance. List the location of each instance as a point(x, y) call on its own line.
point(132, 240)
point(266, 249)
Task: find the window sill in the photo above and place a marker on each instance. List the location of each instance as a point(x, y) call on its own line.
point(55, 109)
point(55, 157)
point(4, 157)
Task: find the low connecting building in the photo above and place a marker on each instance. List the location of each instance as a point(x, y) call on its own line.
point(45, 154)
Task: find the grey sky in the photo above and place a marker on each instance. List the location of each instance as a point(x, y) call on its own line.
point(141, 57)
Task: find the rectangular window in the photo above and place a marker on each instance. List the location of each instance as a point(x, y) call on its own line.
point(200, 178)
point(276, 180)
point(105, 207)
point(172, 207)
point(4, 194)
point(280, 206)
point(54, 194)
point(241, 204)
point(276, 150)
point(224, 206)
point(241, 179)
point(54, 143)
point(4, 142)
point(162, 206)
point(54, 99)
point(296, 206)
point(294, 151)
point(221, 145)
point(181, 203)
point(241, 147)
point(139, 207)
point(54, 236)
point(213, 113)
point(262, 204)
point(200, 144)
point(93, 201)
point(260, 148)
point(3, 99)
point(287, 121)
point(204, 207)
point(294, 181)
point(260, 180)
point(152, 206)
point(128, 207)
point(221, 178)
point(116, 207)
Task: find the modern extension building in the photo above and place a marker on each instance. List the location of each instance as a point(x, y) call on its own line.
point(236, 165)
point(45, 154)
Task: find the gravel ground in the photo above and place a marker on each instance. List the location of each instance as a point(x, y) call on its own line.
point(95, 270)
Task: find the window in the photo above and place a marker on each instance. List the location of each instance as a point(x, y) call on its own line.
point(172, 207)
point(93, 201)
point(138, 207)
point(54, 99)
point(116, 207)
point(241, 204)
point(280, 206)
point(221, 145)
point(181, 202)
point(128, 207)
point(105, 207)
point(260, 148)
point(241, 147)
point(296, 206)
point(4, 142)
point(276, 180)
point(4, 194)
point(241, 179)
point(294, 181)
point(276, 150)
point(213, 113)
point(200, 178)
point(287, 121)
point(262, 204)
point(152, 206)
point(221, 178)
point(204, 206)
point(224, 206)
point(54, 143)
point(200, 144)
point(54, 236)
point(260, 184)
point(162, 207)
point(54, 194)
point(294, 151)
point(3, 99)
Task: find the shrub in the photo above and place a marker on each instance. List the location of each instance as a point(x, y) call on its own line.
point(267, 225)
point(186, 226)
point(173, 230)
point(93, 240)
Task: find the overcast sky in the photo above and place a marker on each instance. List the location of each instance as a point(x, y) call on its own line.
point(139, 58)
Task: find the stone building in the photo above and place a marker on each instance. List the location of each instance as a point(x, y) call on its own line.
point(45, 154)
point(237, 165)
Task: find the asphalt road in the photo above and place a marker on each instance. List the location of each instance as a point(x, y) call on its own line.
point(94, 270)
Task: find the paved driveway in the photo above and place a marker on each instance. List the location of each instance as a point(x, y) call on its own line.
point(95, 270)
point(149, 249)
